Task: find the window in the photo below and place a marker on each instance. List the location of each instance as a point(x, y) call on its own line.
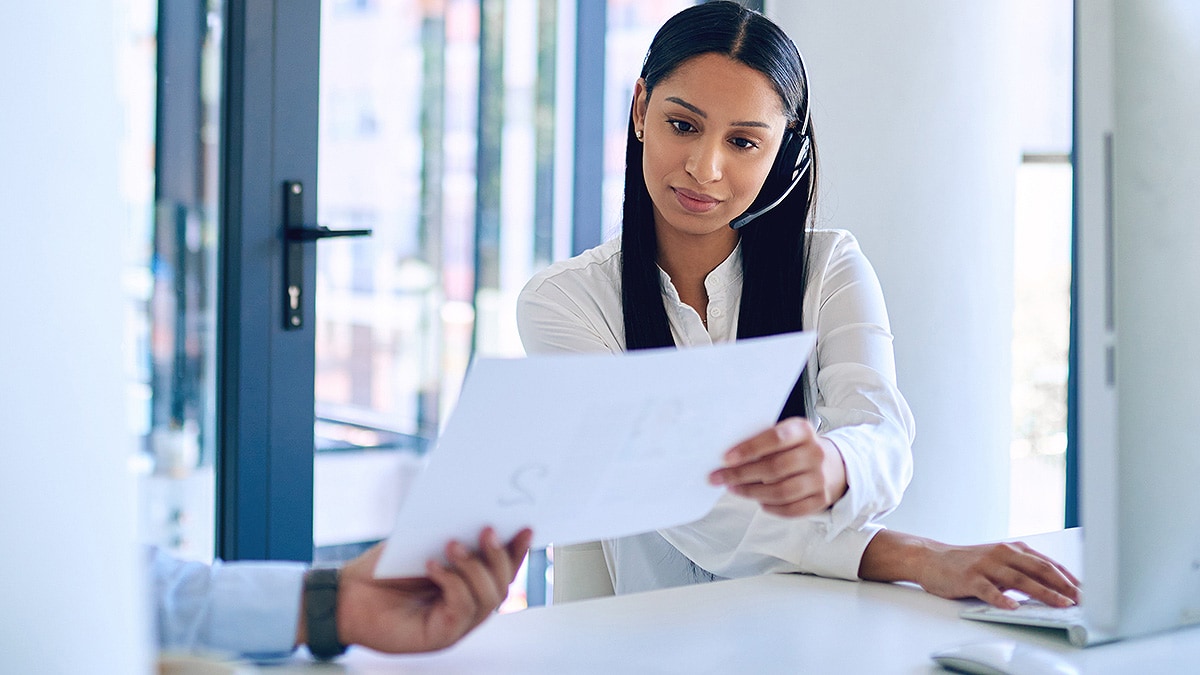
point(458, 178)
point(1041, 323)
point(170, 81)
point(1042, 271)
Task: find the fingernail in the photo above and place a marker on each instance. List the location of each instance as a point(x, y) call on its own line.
point(791, 429)
point(490, 538)
point(730, 458)
point(714, 478)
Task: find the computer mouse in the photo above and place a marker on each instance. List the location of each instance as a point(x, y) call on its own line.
point(1003, 657)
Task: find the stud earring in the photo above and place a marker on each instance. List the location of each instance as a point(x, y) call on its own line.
point(638, 133)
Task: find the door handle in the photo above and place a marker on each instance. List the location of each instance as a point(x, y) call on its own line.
point(296, 234)
point(322, 232)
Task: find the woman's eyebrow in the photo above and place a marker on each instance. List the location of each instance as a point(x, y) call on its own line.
point(689, 106)
point(678, 101)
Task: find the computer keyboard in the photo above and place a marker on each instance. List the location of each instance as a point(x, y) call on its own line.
point(1035, 613)
point(1035, 610)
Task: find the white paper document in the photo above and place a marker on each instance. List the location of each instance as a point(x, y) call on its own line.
point(582, 447)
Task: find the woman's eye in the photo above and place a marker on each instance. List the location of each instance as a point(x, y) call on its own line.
point(681, 126)
point(744, 143)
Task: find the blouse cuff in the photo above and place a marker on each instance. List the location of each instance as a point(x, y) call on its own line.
point(866, 498)
point(841, 556)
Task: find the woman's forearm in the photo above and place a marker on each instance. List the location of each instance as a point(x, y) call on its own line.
point(895, 556)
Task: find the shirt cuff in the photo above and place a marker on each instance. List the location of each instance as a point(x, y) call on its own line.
point(840, 556)
point(867, 496)
point(255, 607)
point(846, 509)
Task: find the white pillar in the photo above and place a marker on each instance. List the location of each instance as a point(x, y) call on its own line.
point(915, 109)
point(70, 579)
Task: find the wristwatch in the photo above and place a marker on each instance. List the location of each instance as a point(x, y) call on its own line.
point(320, 613)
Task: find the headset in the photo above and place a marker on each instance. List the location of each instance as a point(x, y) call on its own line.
point(791, 164)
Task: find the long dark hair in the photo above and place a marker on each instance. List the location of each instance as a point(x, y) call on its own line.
point(775, 245)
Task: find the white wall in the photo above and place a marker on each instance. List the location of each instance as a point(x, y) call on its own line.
point(69, 576)
point(915, 108)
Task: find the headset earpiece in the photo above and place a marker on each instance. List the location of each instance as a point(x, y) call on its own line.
point(791, 163)
point(791, 153)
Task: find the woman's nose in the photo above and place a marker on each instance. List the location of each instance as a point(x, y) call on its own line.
point(704, 164)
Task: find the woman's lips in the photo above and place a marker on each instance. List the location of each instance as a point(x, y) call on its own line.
point(694, 201)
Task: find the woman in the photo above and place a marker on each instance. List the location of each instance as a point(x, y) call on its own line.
point(715, 246)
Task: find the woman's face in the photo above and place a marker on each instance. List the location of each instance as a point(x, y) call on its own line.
point(710, 132)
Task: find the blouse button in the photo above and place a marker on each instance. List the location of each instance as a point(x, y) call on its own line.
point(715, 311)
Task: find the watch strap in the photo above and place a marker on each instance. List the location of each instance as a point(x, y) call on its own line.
point(320, 613)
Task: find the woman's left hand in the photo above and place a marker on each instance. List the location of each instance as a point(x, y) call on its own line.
point(985, 572)
point(788, 469)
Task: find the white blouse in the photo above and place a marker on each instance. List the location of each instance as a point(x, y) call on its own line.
point(575, 306)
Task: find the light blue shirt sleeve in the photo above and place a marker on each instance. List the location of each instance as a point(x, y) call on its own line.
point(240, 609)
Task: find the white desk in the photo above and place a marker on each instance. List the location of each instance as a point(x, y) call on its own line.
point(769, 624)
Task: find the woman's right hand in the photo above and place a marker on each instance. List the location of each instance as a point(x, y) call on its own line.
point(789, 468)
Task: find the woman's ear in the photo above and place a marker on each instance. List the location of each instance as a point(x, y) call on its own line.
point(641, 99)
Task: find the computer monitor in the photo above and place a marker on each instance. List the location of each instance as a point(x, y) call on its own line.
point(1137, 330)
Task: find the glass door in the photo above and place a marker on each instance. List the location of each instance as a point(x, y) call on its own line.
point(170, 79)
point(226, 434)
